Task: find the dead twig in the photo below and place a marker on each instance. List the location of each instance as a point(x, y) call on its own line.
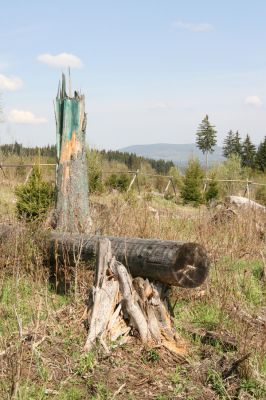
point(118, 391)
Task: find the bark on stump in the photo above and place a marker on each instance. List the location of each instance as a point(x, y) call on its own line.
point(72, 207)
point(120, 306)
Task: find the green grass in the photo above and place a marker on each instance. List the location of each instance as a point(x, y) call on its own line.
point(207, 315)
point(178, 381)
point(150, 355)
point(72, 393)
point(30, 391)
point(202, 314)
point(215, 380)
point(254, 388)
point(262, 366)
point(101, 392)
point(85, 363)
point(250, 283)
point(22, 300)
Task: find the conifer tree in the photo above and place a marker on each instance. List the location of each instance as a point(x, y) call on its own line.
point(206, 138)
point(248, 153)
point(237, 146)
point(228, 147)
point(212, 192)
point(192, 184)
point(232, 145)
point(261, 156)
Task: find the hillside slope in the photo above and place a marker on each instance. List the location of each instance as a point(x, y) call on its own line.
point(178, 153)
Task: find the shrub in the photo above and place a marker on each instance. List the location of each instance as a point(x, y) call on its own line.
point(192, 184)
point(95, 171)
point(34, 198)
point(119, 182)
point(177, 178)
point(231, 169)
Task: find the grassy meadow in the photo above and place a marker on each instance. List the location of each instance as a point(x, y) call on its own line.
point(42, 333)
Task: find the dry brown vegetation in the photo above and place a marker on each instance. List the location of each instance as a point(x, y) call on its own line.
point(42, 333)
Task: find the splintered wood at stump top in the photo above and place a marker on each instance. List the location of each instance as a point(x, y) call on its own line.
point(72, 206)
point(175, 263)
point(119, 305)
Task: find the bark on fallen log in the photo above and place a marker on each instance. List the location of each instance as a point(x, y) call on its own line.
point(170, 262)
point(174, 263)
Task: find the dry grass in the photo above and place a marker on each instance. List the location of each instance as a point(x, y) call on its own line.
point(42, 334)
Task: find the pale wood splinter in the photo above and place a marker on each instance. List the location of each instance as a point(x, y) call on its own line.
point(121, 306)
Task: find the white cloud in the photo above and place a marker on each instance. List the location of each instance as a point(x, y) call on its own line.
point(62, 60)
point(254, 101)
point(24, 117)
point(193, 27)
point(10, 83)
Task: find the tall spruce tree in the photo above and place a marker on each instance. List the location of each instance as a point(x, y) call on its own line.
point(206, 138)
point(237, 145)
point(261, 156)
point(228, 147)
point(248, 153)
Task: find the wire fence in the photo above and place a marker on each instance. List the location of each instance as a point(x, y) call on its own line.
point(247, 183)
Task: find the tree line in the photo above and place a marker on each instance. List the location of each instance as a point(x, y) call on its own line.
point(134, 162)
point(249, 155)
point(247, 152)
point(21, 151)
point(131, 160)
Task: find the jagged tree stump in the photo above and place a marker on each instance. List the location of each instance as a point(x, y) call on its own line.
point(120, 306)
point(72, 206)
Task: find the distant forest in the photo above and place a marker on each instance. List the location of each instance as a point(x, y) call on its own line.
point(131, 160)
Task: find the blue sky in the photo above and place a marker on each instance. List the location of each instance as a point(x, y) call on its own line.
point(150, 69)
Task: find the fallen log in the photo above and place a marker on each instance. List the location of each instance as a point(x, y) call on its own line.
point(174, 263)
point(244, 202)
point(170, 262)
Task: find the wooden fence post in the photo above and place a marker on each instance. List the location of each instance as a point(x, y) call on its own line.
point(28, 175)
point(174, 188)
point(247, 189)
point(135, 177)
point(72, 206)
point(167, 186)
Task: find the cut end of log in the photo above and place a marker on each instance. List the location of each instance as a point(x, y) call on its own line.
point(191, 266)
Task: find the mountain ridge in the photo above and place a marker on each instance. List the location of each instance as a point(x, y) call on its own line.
point(178, 153)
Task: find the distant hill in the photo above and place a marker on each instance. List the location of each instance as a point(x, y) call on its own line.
point(178, 153)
